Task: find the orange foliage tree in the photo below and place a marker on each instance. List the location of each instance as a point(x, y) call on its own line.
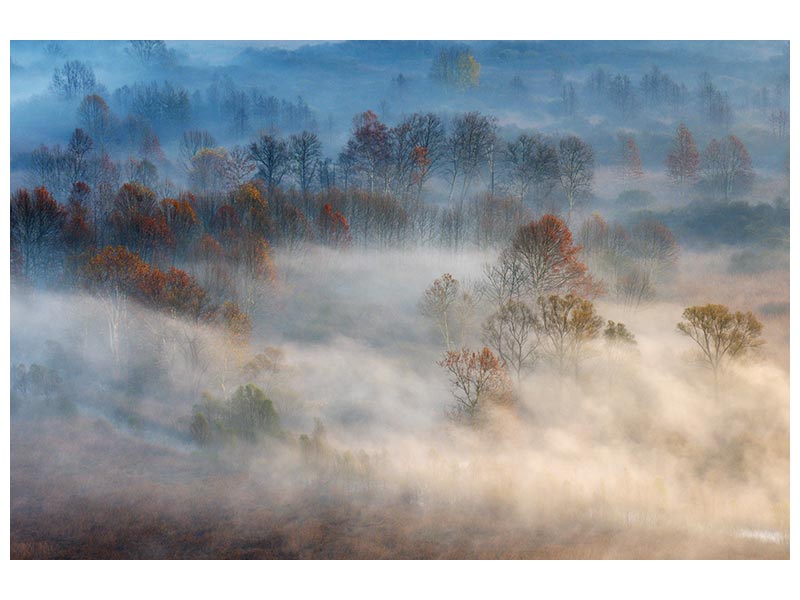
point(333, 227)
point(138, 223)
point(550, 260)
point(181, 219)
point(683, 159)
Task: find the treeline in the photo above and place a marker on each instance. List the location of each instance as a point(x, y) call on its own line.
point(424, 152)
point(657, 93)
point(279, 192)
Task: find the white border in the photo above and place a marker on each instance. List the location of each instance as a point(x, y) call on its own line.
point(410, 19)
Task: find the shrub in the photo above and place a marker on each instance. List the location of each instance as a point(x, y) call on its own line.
point(247, 415)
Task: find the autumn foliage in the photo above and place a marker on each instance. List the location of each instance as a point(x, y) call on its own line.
point(334, 230)
point(550, 260)
point(683, 159)
point(721, 334)
point(479, 381)
point(118, 273)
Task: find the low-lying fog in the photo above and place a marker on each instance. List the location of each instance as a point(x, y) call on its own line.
point(636, 456)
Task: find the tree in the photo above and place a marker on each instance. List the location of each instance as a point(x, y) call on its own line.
point(369, 146)
point(620, 346)
point(191, 143)
point(51, 168)
point(36, 224)
point(252, 413)
point(479, 381)
point(137, 222)
point(606, 249)
point(469, 146)
point(510, 332)
point(208, 172)
point(634, 287)
point(96, 118)
point(576, 169)
point(248, 415)
point(406, 160)
point(80, 145)
point(272, 159)
point(564, 326)
point(181, 219)
point(549, 259)
point(79, 231)
point(721, 335)
point(569, 99)
point(531, 163)
point(518, 160)
point(114, 274)
point(305, 151)
point(779, 121)
point(135, 198)
point(199, 429)
point(73, 79)
point(654, 248)
point(148, 52)
point(333, 227)
point(683, 159)
point(630, 161)
point(616, 334)
point(727, 166)
point(456, 67)
point(505, 279)
point(426, 134)
point(239, 167)
point(439, 302)
point(252, 209)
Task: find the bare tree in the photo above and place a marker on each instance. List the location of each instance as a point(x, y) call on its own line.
point(369, 148)
point(73, 79)
point(504, 279)
point(304, 156)
point(518, 162)
point(271, 156)
point(468, 149)
point(653, 248)
point(727, 166)
point(191, 143)
point(148, 52)
point(510, 332)
point(36, 222)
point(450, 306)
point(633, 287)
point(80, 145)
point(576, 170)
point(239, 167)
point(96, 118)
point(479, 380)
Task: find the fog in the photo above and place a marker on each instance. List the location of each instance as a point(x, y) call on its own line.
point(125, 437)
point(646, 457)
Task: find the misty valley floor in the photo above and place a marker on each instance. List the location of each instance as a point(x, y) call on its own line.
point(98, 501)
point(656, 469)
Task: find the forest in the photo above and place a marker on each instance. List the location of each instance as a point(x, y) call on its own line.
point(399, 299)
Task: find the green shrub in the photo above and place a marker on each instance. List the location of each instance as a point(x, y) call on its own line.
point(247, 415)
point(199, 429)
point(252, 413)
